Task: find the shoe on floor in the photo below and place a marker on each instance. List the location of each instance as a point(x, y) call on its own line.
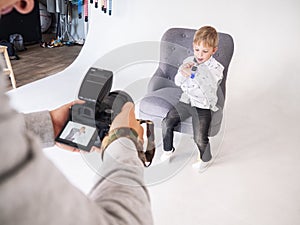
point(166, 155)
point(200, 165)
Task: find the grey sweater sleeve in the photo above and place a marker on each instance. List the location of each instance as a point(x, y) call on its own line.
point(121, 190)
point(32, 185)
point(40, 124)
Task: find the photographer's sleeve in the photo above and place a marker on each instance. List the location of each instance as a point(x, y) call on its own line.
point(40, 124)
point(121, 190)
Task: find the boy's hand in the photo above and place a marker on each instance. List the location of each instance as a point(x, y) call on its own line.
point(186, 69)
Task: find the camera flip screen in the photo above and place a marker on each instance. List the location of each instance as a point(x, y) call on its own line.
point(78, 135)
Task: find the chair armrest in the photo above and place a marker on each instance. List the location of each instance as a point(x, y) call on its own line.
point(159, 80)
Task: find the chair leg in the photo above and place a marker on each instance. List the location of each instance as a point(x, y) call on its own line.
point(9, 67)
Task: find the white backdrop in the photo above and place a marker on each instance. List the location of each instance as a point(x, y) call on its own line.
point(266, 36)
point(256, 177)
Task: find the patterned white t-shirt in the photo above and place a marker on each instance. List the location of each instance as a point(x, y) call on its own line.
point(201, 91)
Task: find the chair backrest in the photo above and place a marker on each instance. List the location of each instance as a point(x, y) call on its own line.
point(176, 45)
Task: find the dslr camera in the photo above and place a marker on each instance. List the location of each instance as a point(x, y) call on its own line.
point(90, 122)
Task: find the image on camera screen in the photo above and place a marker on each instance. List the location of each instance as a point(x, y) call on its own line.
point(80, 135)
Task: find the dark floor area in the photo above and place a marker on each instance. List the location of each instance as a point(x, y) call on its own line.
point(37, 62)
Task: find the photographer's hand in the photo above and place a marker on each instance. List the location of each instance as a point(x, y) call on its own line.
point(59, 117)
point(126, 118)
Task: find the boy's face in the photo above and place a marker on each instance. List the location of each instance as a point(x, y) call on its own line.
point(203, 52)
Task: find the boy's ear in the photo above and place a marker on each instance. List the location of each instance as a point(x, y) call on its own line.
point(215, 49)
point(24, 6)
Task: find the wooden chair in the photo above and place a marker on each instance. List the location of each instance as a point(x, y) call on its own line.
point(7, 68)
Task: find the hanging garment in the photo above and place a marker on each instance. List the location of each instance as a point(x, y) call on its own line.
point(57, 6)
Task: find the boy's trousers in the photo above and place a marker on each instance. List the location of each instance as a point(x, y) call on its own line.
point(201, 119)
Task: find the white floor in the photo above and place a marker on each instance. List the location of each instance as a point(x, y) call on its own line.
point(254, 179)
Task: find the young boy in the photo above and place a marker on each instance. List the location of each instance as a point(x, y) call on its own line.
point(198, 77)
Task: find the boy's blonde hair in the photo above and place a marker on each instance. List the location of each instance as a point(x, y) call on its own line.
point(208, 35)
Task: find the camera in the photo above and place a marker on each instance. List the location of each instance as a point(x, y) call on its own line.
point(89, 123)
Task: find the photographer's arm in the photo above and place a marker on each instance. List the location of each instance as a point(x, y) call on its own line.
point(121, 187)
point(40, 124)
point(47, 124)
point(31, 183)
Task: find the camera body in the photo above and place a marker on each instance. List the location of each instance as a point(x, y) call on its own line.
point(89, 122)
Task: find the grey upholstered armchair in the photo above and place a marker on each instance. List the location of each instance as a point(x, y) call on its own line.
point(176, 45)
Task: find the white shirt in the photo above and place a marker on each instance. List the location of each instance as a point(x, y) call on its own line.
point(201, 91)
